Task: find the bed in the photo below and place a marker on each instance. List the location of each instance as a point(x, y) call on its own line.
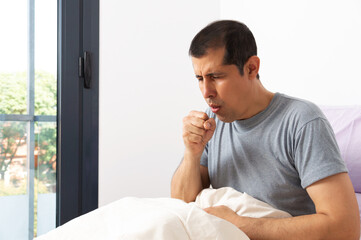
point(166, 218)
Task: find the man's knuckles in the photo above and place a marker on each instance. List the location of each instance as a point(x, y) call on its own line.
point(194, 130)
point(193, 121)
point(201, 115)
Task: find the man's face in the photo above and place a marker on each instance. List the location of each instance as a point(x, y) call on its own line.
point(222, 86)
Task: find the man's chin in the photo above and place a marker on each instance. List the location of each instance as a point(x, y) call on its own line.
point(224, 118)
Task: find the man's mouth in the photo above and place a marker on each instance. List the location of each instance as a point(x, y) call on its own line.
point(215, 108)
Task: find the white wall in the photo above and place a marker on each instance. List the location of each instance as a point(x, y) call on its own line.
point(147, 85)
point(309, 49)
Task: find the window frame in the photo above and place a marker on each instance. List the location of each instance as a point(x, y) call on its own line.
point(78, 110)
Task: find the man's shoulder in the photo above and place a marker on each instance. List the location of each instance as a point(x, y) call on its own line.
point(300, 110)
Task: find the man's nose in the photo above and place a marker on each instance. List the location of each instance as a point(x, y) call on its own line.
point(208, 89)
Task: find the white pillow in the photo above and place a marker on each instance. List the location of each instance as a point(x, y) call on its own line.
point(241, 203)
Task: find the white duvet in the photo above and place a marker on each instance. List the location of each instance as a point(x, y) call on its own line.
point(165, 218)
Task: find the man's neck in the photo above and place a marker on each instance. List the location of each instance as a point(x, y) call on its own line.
point(261, 98)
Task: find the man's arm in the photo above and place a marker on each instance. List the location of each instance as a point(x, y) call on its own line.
point(190, 177)
point(337, 216)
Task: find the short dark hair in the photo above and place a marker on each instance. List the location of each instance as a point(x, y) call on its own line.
point(235, 36)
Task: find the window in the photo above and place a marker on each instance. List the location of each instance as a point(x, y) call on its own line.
point(48, 120)
point(28, 118)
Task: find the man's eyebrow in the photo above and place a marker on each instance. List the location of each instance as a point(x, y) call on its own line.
point(215, 73)
point(211, 74)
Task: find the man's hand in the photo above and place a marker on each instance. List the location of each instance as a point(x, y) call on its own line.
point(223, 212)
point(244, 223)
point(191, 177)
point(198, 129)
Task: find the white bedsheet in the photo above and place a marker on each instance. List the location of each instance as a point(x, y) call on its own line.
point(164, 218)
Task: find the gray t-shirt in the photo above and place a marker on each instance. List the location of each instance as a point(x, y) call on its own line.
point(274, 155)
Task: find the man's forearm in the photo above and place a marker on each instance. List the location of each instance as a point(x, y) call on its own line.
point(186, 182)
point(337, 215)
point(315, 226)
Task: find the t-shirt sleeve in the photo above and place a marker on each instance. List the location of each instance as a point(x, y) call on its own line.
point(317, 154)
point(204, 158)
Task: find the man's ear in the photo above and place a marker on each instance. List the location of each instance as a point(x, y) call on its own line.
point(252, 67)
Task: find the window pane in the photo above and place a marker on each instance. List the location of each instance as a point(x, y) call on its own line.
point(14, 200)
point(28, 86)
point(45, 174)
point(45, 93)
point(13, 89)
point(45, 104)
point(14, 56)
point(45, 57)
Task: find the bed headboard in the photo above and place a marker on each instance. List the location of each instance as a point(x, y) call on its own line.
point(346, 123)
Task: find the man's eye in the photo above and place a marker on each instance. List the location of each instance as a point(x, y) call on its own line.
point(200, 79)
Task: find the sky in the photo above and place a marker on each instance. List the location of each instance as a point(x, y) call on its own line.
point(14, 35)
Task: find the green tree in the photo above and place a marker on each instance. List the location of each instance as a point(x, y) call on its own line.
point(45, 94)
point(13, 100)
point(45, 144)
point(13, 97)
point(13, 93)
point(12, 136)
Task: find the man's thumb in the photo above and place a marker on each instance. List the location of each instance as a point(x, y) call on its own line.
point(210, 126)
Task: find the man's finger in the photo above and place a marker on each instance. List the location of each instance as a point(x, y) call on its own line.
point(210, 124)
point(194, 130)
point(195, 121)
point(195, 138)
point(201, 115)
point(198, 122)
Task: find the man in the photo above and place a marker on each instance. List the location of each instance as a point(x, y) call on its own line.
point(276, 148)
